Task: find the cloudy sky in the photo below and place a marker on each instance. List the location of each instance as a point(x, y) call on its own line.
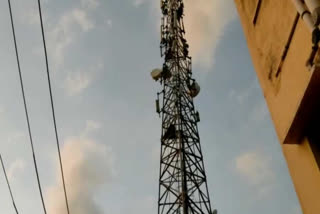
point(100, 54)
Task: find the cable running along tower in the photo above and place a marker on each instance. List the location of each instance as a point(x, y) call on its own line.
point(182, 181)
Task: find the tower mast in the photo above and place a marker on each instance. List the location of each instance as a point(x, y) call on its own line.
point(182, 181)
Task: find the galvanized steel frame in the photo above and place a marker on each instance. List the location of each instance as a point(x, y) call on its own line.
point(182, 180)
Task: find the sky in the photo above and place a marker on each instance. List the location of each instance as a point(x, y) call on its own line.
point(100, 54)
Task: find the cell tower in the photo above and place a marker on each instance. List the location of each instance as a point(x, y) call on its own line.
point(182, 182)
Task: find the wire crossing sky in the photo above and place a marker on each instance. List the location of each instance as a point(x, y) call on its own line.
point(11, 195)
point(25, 107)
point(26, 110)
point(52, 107)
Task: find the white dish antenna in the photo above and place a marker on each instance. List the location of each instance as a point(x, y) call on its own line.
point(156, 74)
point(194, 89)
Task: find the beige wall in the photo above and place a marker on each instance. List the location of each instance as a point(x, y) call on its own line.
point(288, 92)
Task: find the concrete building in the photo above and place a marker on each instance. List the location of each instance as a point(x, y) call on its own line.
point(287, 63)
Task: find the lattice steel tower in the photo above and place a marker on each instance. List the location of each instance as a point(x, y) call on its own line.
point(182, 182)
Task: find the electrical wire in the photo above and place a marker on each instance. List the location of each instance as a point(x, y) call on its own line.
point(52, 106)
point(5, 175)
point(25, 108)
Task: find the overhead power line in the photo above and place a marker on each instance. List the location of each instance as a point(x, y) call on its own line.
point(5, 175)
point(52, 106)
point(25, 107)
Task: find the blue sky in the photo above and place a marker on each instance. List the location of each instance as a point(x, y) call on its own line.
point(101, 54)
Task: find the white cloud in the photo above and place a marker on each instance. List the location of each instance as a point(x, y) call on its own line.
point(138, 3)
point(206, 21)
point(92, 125)
point(30, 17)
point(15, 168)
point(63, 31)
point(259, 112)
point(90, 4)
point(2, 110)
point(242, 96)
point(66, 31)
point(80, 17)
point(88, 166)
point(77, 81)
point(16, 137)
point(109, 23)
point(256, 169)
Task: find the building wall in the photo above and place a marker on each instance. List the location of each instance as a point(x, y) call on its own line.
point(280, 45)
